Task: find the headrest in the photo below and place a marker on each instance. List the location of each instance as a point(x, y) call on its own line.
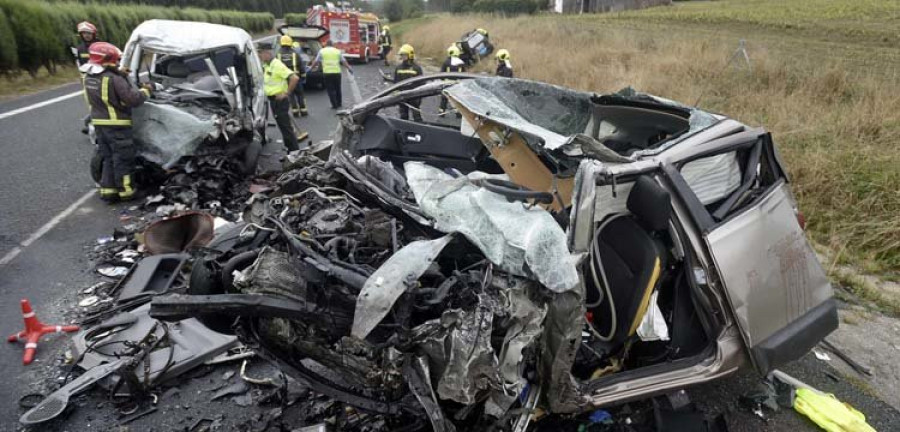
point(177, 69)
point(650, 204)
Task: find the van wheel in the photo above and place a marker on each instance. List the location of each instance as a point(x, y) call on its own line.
point(97, 167)
point(251, 156)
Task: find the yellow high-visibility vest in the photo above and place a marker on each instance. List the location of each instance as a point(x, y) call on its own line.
point(331, 60)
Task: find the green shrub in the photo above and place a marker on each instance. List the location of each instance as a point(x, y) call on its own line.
point(9, 57)
point(509, 7)
point(36, 33)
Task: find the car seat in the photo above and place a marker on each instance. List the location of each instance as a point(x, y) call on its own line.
point(626, 264)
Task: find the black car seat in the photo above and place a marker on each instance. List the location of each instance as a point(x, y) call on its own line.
point(626, 263)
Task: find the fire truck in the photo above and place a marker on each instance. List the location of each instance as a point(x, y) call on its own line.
point(353, 32)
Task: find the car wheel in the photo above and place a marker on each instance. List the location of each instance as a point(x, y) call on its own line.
point(97, 167)
point(251, 156)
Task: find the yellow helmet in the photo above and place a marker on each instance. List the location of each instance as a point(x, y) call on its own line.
point(286, 40)
point(502, 55)
point(453, 51)
point(482, 31)
point(407, 50)
point(295, 45)
point(386, 28)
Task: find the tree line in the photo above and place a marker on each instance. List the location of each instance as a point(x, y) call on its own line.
point(36, 33)
point(276, 7)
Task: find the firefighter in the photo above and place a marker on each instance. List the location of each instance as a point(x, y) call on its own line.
point(288, 55)
point(279, 83)
point(405, 70)
point(332, 59)
point(386, 44)
point(87, 34)
point(504, 67)
point(111, 98)
point(452, 64)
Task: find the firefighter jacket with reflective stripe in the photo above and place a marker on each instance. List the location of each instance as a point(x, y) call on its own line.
point(386, 39)
point(453, 64)
point(331, 60)
point(292, 60)
point(504, 69)
point(84, 53)
point(111, 98)
point(406, 70)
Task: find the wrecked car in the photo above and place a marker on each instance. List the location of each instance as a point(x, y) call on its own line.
point(309, 41)
point(209, 96)
point(547, 248)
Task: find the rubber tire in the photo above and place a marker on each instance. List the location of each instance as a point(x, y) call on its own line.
point(251, 157)
point(96, 167)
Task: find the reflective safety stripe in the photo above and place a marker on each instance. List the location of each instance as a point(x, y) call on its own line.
point(113, 119)
point(407, 72)
point(127, 191)
point(294, 63)
point(85, 55)
point(87, 101)
point(106, 192)
point(104, 122)
point(331, 60)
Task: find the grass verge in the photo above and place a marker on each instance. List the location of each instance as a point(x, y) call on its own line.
point(20, 83)
point(833, 107)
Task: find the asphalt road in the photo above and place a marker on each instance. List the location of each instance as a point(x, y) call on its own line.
point(44, 173)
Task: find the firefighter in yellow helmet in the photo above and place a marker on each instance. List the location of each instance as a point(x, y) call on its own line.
point(111, 98)
point(289, 56)
point(405, 70)
point(386, 43)
point(452, 64)
point(504, 67)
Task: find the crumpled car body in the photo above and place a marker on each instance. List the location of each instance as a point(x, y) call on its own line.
point(209, 95)
point(534, 246)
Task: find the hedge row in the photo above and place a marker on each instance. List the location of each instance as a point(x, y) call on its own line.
point(294, 18)
point(37, 33)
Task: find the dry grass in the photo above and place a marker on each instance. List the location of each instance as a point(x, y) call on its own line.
point(17, 84)
point(837, 121)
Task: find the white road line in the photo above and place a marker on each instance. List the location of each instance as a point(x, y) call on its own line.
point(357, 97)
point(45, 229)
point(39, 105)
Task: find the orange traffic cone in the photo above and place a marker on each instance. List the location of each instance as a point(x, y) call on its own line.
point(34, 329)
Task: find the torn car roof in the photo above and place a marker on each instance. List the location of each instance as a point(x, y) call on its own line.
point(553, 114)
point(186, 37)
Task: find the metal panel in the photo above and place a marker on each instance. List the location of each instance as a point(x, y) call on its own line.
point(771, 274)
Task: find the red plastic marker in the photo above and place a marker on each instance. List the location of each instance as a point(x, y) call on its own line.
point(34, 329)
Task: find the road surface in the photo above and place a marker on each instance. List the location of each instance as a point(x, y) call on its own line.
point(49, 218)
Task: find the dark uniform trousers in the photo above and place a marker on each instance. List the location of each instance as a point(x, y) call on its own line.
point(117, 149)
point(281, 110)
point(333, 87)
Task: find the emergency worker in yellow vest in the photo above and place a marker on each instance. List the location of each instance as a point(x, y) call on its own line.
point(289, 56)
point(331, 60)
point(111, 97)
point(279, 83)
point(405, 70)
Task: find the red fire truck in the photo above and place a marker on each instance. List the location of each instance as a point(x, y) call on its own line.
point(355, 33)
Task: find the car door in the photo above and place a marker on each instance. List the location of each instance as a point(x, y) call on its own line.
point(740, 199)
